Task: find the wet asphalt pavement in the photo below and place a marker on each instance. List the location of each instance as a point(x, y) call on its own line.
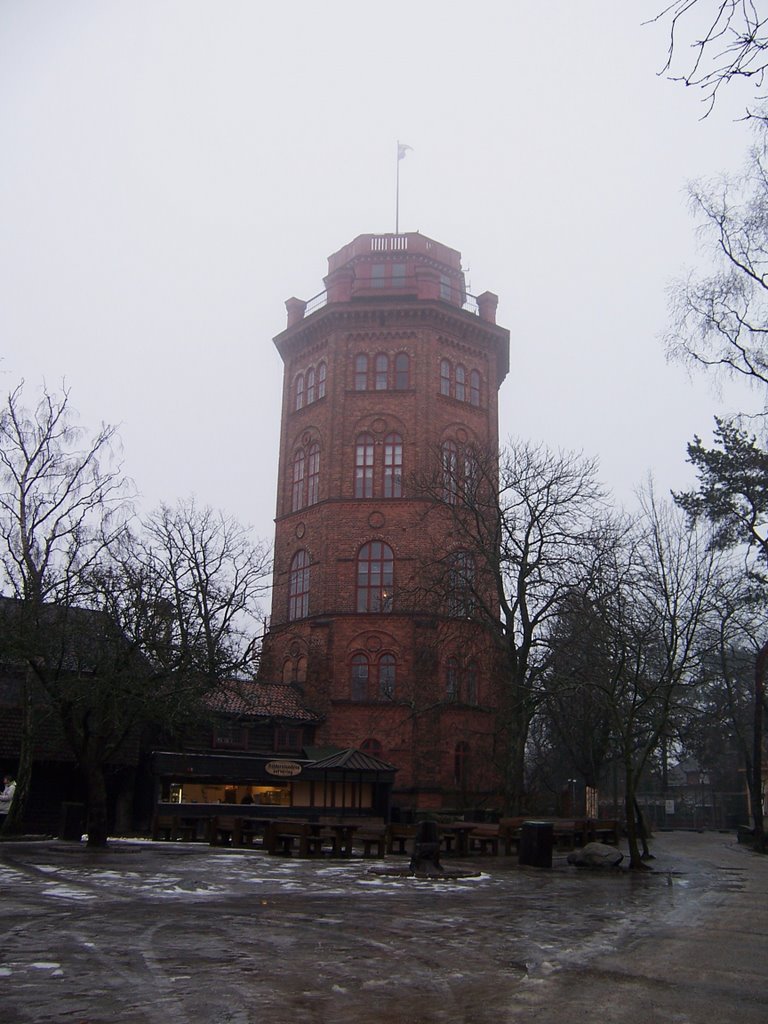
point(184, 934)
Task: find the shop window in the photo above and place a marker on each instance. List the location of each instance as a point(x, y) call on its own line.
point(298, 586)
point(360, 671)
point(387, 677)
point(375, 577)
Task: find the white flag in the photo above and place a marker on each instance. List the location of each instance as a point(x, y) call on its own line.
point(402, 149)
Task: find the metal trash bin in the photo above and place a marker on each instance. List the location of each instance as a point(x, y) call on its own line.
point(536, 842)
point(72, 823)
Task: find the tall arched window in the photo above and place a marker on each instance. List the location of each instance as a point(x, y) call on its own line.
point(361, 372)
point(461, 584)
point(322, 372)
point(452, 679)
point(474, 388)
point(402, 371)
point(313, 474)
point(445, 377)
point(375, 577)
point(450, 472)
point(381, 375)
point(387, 677)
point(393, 466)
point(300, 391)
point(301, 669)
point(472, 697)
point(364, 466)
point(297, 485)
point(298, 586)
point(360, 668)
point(461, 383)
point(310, 385)
point(460, 764)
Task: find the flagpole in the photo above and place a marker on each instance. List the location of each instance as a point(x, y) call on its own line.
point(397, 193)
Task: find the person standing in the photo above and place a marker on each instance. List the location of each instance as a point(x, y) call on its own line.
point(6, 797)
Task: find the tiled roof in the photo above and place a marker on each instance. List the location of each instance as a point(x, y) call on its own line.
point(259, 700)
point(354, 760)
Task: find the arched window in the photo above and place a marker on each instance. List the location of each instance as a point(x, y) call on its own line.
point(313, 474)
point(287, 676)
point(474, 388)
point(460, 763)
point(381, 372)
point(298, 586)
point(461, 584)
point(361, 372)
point(322, 372)
point(375, 577)
point(297, 486)
point(393, 466)
point(445, 377)
point(387, 677)
point(360, 677)
point(452, 679)
point(310, 385)
point(300, 391)
point(372, 747)
point(402, 371)
point(461, 382)
point(364, 466)
point(472, 697)
point(450, 472)
point(301, 669)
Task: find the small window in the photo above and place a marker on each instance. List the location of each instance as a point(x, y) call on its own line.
point(474, 388)
point(322, 372)
point(372, 747)
point(450, 455)
point(398, 275)
point(298, 586)
point(461, 584)
point(378, 274)
point(230, 735)
point(310, 385)
point(289, 737)
point(301, 669)
point(361, 373)
point(402, 371)
point(360, 677)
point(381, 372)
point(445, 287)
point(445, 377)
point(387, 677)
point(300, 391)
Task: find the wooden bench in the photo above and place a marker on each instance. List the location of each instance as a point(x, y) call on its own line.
point(372, 837)
point(484, 839)
point(224, 831)
point(604, 830)
point(510, 830)
point(397, 836)
point(282, 836)
point(170, 828)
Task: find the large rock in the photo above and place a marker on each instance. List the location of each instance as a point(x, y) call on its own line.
point(596, 855)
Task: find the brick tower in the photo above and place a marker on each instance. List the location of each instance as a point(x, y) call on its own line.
point(390, 379)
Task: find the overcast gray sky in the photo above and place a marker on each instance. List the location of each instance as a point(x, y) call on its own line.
point(172, 170)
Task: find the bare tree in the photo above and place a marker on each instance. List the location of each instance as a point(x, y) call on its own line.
point(62, 503)
point(525, 530)
point(729, 40)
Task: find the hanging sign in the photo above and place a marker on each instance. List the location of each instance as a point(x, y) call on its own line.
point(283, 768)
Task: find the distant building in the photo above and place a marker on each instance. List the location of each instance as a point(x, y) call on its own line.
point(390, 390)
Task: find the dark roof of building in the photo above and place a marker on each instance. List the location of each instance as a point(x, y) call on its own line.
point(249, 699)
point(354, 760)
